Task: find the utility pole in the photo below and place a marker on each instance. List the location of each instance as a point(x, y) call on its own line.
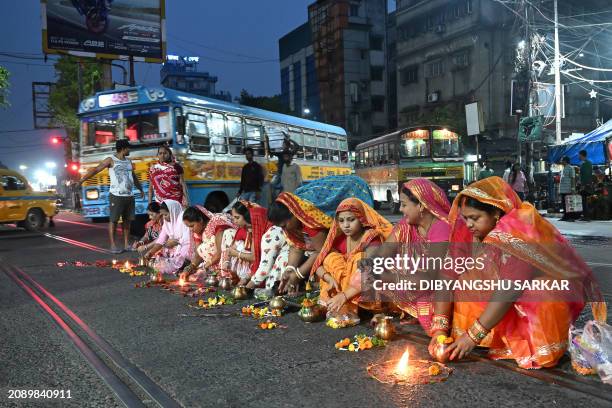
point(557, 79)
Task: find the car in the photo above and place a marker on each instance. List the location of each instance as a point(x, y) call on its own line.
point(20, 204)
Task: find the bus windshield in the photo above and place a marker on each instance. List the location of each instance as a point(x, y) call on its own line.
point(415, 144)
point(445, 143)
point(140, 126)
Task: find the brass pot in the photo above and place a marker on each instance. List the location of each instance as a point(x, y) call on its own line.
point(278, 303)
point(225, 283)
point(311, 314)
point(385, 329)
point(240, 293)
point(211, 280)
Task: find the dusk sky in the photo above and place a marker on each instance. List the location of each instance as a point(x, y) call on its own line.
point(224, 34)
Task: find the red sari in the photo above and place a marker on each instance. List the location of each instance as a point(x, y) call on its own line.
point(165, 180)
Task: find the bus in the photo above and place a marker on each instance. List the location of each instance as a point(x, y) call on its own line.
point(388, 161)
point(208, 137)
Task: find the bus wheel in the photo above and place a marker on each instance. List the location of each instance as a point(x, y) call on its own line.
point(216, 202)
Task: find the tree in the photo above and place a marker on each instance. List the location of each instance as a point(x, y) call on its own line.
point(271, 103)
point(64, 98)
point(4, 85)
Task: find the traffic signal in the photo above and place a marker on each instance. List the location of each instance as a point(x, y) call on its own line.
point(73, 167)
point(55, 140)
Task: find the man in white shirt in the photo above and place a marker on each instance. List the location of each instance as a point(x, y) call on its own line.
point(121, 194)
point(291, 177)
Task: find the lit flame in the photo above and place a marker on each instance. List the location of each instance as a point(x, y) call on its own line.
point(182, 282)
point(114, 262)
point(127, 265)
point(403, 365)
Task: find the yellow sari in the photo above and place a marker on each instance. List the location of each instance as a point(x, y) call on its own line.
point(343, 266)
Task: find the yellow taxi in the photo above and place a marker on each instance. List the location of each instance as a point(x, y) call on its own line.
point(20, 204)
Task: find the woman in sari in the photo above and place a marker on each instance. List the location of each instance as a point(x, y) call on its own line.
point(152, 229)
point(173, 246)
point(529, 326)
point(166, 180)
point(243, 246)
point(423, 232)
point(207, 229)
point(306, 224)
point(355, 227)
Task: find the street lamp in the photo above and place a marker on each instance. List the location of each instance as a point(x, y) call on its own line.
point(23, 167)
point(306, 111)
point(50, 165)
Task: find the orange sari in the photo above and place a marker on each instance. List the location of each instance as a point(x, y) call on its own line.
point(343, 266)
point(523, 245)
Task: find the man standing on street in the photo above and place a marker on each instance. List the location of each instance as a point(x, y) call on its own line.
point(291, 177)
point(567, 185)
point(586, 183)
point(485, 170)
point(251, 180)
point(121, 194)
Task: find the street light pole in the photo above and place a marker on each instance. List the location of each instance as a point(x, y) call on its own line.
point(557, 79)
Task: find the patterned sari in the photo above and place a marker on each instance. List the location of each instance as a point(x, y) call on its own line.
point(165, 179)
point(315, 203)
point(205, 243)
point(340, 264)
point(534, 331)
point(419, 304)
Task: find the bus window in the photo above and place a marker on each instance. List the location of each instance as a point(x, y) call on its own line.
point(415, 144)
point(235, 135)
point(198, 135)
point(344, 157)
point(322, 151)
point(392, 154)
point(296, 135)
point(375, 156)
point(343, 145)
point(276, 136)
point(382, 153)
point(333, 148)
point(365, 158)
point(100, 130)
point(254, 137)
point(216, 128)
point(146, 124)
point(445, 143)
point(310, 153)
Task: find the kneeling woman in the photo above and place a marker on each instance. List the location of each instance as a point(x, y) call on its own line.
point(173, 246)
point(528, 326)
point(152, 229)
point(306, 218)
point(207, 229)
point(243, 246)
point(355, 227)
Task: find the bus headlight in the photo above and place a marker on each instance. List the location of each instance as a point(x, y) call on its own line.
point(92, 194)
point(455, 187)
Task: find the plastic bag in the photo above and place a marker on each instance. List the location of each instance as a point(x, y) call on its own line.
point(591, 350)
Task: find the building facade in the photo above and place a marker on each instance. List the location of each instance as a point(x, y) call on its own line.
point(335, 66)
point(299, 85)
point(181, 73)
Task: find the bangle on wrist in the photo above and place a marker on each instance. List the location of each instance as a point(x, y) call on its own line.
point(298, 273)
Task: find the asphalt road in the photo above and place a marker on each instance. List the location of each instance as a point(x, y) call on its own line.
point(228, 361)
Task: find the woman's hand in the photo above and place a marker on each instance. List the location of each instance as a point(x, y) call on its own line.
point(243, 282)
point(461, 347)
point(335, 304)
point(171, 243)
point(289, 283)
point(251, 284)
point(434, 342)
point(333, 285)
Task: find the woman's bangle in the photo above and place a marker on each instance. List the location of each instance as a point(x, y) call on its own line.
point(324, 275)
point(477, 332)
point(298, 273)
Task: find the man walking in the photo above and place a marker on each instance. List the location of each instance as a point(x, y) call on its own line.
point(251, 180)
point(291, 177)
point(586, 183)
point(121, 194)
point(567, 185)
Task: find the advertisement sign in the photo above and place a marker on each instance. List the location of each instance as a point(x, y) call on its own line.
point(474, 119)
point(113, 29)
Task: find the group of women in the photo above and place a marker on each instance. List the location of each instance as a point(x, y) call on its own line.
point(328, 232)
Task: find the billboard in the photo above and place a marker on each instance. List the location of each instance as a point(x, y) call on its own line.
point(113, 29)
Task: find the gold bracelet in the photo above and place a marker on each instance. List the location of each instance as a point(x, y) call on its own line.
point(472, 336)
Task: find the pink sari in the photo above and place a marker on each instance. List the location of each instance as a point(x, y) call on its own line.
point(419, 304)
point(206, 245)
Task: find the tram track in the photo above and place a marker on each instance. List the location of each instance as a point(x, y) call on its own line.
point(125, 380)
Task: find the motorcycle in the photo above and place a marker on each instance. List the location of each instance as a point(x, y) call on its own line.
point(96, 13)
